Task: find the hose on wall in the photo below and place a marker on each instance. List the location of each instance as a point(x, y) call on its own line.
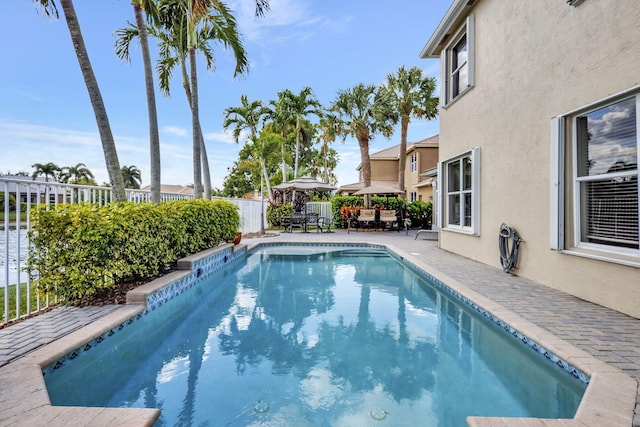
point(508, 243)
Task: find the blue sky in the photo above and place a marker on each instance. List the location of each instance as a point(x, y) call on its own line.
point(45, 114)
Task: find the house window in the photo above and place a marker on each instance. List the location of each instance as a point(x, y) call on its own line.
point(607, 174)
point(458, 64)
point(412, 196)
point(603, 159)
point(413, 164)
point(461, 192)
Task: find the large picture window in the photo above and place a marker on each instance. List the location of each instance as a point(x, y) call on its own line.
point(597, 149)
point(607, 174)
point(461, 177)
point(458, 63)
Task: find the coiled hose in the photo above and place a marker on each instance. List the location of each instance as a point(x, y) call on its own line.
point(508, 252)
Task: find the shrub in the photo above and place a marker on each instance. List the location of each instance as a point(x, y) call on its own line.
point(276, 214)
point(420, 213)
point(79, 249)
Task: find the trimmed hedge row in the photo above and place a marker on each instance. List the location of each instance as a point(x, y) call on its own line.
point(80, 249)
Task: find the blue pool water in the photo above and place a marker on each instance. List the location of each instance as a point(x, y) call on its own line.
point(316, 337)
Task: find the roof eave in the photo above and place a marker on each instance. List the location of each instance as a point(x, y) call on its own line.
point(446, 25)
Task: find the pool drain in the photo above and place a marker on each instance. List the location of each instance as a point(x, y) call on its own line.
point(261, 407)
point(378, 414)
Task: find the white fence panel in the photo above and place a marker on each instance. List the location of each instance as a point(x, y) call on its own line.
point(321, 208)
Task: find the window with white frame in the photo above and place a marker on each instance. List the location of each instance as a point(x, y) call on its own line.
point(457, 60)
point(413, 196)
point(461, 192)
point(413, 163)
point(603, 158)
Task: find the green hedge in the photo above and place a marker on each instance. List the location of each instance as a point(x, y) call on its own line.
point(276, 214)
point(80, 249)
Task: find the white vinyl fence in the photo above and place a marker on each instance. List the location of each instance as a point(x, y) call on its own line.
point(18, 195)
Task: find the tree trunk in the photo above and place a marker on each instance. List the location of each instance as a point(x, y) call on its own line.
point(203, 148)
point(363, 142)
point(284, 164)
point(265, 176)
point(154, 138)
point(295, 167)
point(403, 154)
point(206, 174)
point(195, 118)
point(102, 120)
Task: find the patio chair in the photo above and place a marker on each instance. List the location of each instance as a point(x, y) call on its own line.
point(312, 219)
point(323, 222)
point(297, 220)
point(388, 217)
point(367, 217)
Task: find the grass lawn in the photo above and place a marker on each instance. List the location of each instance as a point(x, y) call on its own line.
point(12, 216)
point(23, 300)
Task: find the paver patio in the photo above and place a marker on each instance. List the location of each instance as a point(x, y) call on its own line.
point(609, 336)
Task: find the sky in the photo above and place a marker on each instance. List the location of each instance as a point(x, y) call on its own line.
point(331, 45)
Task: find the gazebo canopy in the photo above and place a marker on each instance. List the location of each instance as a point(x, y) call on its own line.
point(304, 183)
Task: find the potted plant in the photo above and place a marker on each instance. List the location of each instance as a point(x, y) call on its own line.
point(238, 237)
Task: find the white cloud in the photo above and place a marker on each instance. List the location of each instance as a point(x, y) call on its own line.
point(224, 137)
point(175, 130)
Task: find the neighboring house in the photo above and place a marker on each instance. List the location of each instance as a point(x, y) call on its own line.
point(540, 103)
point(29, 189)
point(421, 156)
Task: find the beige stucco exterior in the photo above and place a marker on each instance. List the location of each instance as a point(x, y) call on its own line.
point(535, 60)
point(427, 159)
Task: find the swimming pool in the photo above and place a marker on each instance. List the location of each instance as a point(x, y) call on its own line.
point(316, 336)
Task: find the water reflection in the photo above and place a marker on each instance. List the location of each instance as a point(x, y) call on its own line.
point(315, 339)
point(17, 246)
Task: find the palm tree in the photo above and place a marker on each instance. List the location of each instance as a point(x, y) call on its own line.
point(106, 136)
point(362, 112)
point(281, 118)
point(188, 26)
point(76, 174)
point(300, 106)
point(122, 51)
point(131, 176)
point(47, 170)
point(248, 117)
point(413, 96)
point(329, 129)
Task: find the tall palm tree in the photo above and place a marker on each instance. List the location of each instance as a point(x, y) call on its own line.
point(300, 106)
point(281, 118)
point(362, 112)
point(150, 8)
point(413, 96)
point(131, 176)
point(248, 117)
point(189, 26)
point(329, 129)
point(76, 174)
point(102, 120)
point(48, 170)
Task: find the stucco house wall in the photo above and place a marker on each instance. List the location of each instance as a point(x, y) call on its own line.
point(427, 158)
point(535, 60)
point(384, 169)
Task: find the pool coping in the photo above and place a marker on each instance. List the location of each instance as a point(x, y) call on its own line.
point(609, 399)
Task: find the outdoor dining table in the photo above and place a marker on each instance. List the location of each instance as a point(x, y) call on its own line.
point(301, 220)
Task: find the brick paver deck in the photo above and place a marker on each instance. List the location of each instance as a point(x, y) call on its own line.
point(609, 336)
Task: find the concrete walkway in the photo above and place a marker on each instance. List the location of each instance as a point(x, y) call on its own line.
point(609, 336)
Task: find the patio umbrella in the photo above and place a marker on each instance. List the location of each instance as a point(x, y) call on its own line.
point(379, 190)
point(304, 183)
